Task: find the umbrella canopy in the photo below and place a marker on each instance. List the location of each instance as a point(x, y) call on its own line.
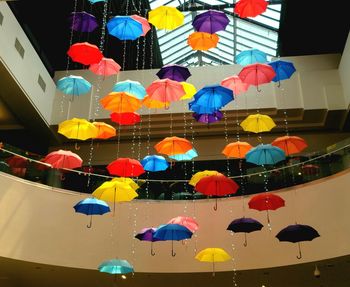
point(154, 163)
point(245, 225)
point(83, 22)
point(85, 53)
point(125, 119)
point(235, 84)
point(199, 175)
point(165, 90)
point(17, 161)
point(237, 149)
point(186, 221)
point(120, 102)
point(192, 153)
point(96, 1)
point(257, 74)
point(145, 25)
point(297, 233)
point(131, 87)
point(250, 8)
point(310, 169)
point(266, 201)
point(265, 154)
point(190, 91)
point(155, 104)
point(283, 69)
point(106, 67)
point(125, 167)
point(76, 128)
point(213, 255)
point(211, 21)
point(202, 41)
point(174, 72)
point(173, 146)
point(73, 85)
point(208, 118)
point(124, 28)
point(105, 131)
point(257, 123)
point(290, 144)
point(164, 17)
point(252, 56)
point(147, 234)
point(63, 159)
point(115, 191)
point(116, 266)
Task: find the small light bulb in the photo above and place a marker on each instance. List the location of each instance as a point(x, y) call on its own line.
point(123, 277)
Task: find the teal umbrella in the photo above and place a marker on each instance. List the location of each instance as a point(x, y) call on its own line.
point(73, 85)
point(116, 266)
point(265, 154)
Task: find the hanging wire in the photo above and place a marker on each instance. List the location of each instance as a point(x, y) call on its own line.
point(227, 141)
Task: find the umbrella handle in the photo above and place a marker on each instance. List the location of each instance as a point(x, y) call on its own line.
point(76, 147)
point(300, 255)
point(90, 224)
point(152, 251)
point(173, 254)
point(257, 88)
point(213, 274)
point(62, 177)
point(279, 84)
point(245, 244)
point(216, 204)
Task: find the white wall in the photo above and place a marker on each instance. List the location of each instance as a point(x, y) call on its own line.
point(344, 70)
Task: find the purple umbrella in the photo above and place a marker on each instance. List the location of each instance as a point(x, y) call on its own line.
point(83, 22)
point(245, 225)
point(208, 118)
point(211, 21)
point(174, 72)
point(146, 234)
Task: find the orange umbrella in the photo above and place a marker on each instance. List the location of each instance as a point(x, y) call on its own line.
point(290, 144)
point(237, 149)
point(173, 146)
point(202, 41)
point(154, 104)
point(120, 102)
point(165, 90)
point(105, 131)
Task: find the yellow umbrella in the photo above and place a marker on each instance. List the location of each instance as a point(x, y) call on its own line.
point(199, 175)
point(213, 255)
point(190, 91)
point(127, 181)
point(165, 17)
point(258, 123)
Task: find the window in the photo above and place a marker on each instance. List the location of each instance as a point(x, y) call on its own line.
point(41, 83)
point(19, 48)
point(1, 18)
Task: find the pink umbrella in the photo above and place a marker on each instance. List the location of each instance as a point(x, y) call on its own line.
point(63, 159)
point(165, 90)
point(257, 74)
point(235, 84)
point(145, 25)
point(188, 222)
point(106, 67)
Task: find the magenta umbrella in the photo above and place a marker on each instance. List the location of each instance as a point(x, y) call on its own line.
point(257, 74)
point(165, 90)
point(235, 84)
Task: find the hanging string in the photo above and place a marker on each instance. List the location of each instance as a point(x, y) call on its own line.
point(226, 140)
point(185, 162)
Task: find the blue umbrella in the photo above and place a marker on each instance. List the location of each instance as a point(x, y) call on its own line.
point(172, 232)
point(283, 69)
point(124, 28)
point(265, 154)
point(251, 56)
point(116, 266)
point(91, 206)
point(211, 99)
point(245, 225)
point(147, 234)
point(96, 1)
point(154, 163)
point(192, 153)
point(73, 85)
point(132, 87)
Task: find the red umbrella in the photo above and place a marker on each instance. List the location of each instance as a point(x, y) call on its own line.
point(145, 24)
point(235, 84)
point(85, 53)
point(290, 144)
point(63, 159)
point(125, 119)
point(165, 90)
point(250, 8)
point(257, 74)
point(310, 169)
point(106, 67)
point(218, 185)
point(186, 221)
point(17, 161)
point(125, 167)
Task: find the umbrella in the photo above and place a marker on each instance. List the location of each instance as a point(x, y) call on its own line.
point(106, 67)
point(91, 206)
point(202, 41)
point(199, 175)
point(116, 266)
point(131, 87)
point(124, 28)
point(164, 17)
point(245, 225)
point(128, 181)
point(125, 119)
point(290, 144)
point(283, 69)
point(105, 131)
point(96, 1)
point(252, 56)
point(257, 74)
point(125, 167)
point(297, 233)
point(208, 118)
point(173, 146)
point(213, 255)
point(147, 234)
point(257, 123)
point(210, 99)
point(237, 149)
point(145, 25)
point(120, 102)
point(186, 221)
point(172, 232)
point(266, 201)
point(189, 155)
point(217, 185)
point(310, 169)
point(155, 104)
point(154, 163)
point(85, 53)
point(83, 22)
point(174, 72)
point(190, 91)
point(250, 8)
point(235, 84)
point(17, 161)
point(211, 21)
point(73, 85)
point(265, 154)
point(165, 90)
point(63, 159)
